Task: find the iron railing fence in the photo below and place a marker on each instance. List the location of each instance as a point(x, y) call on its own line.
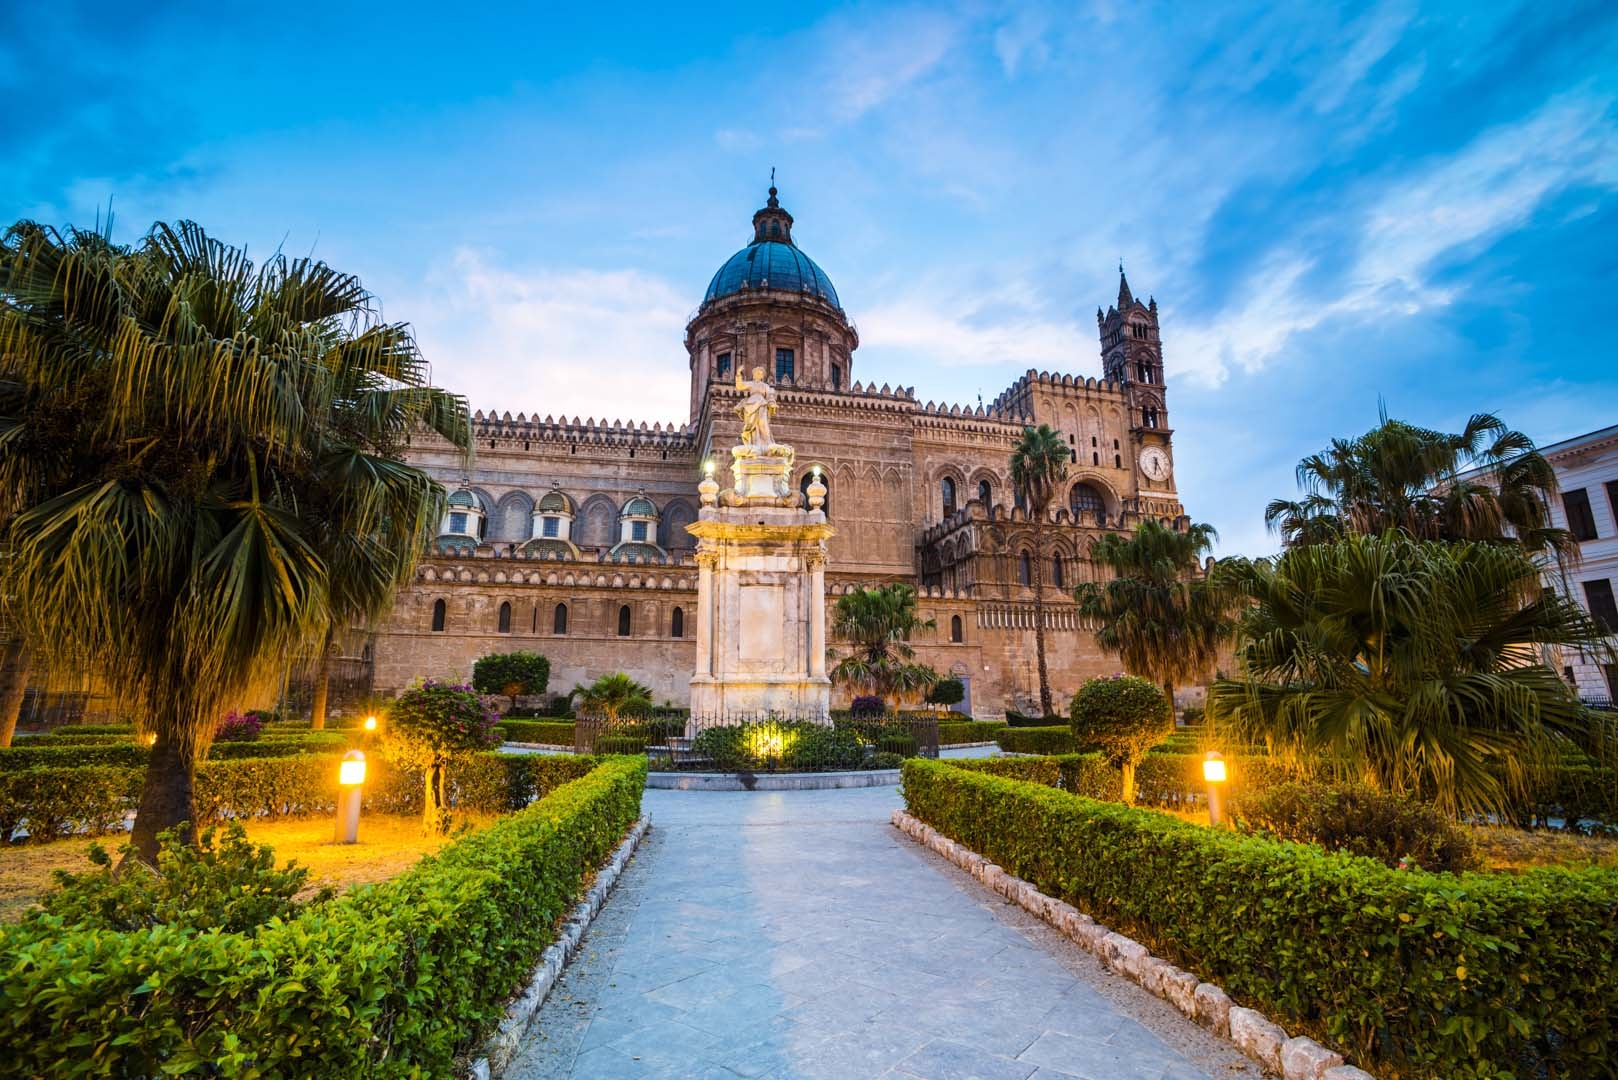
point(674, 738)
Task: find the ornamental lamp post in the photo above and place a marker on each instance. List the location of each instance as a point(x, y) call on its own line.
point(1213, 773)
point(350, 779)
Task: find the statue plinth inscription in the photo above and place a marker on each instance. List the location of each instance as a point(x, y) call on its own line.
point(761, 585)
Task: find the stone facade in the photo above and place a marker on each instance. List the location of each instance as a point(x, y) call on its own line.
point(569, 537)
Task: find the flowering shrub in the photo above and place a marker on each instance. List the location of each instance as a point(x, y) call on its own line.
point(868, 705)
point(428, 727)
point(238, 727)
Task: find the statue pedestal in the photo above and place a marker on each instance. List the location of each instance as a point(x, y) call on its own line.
point(761, 598)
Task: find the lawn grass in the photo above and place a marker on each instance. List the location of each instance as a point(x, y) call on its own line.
point(388, 845)
point(1519, 849)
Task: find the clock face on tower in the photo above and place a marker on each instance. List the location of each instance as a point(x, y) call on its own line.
point(1154, 462)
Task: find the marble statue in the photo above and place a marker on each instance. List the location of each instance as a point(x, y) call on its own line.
point(756, 409)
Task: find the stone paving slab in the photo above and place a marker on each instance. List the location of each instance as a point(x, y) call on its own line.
point(797, 934)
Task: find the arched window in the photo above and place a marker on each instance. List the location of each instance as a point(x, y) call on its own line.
point(623, 621)
point(505, 617)
point(1084, 501)
point(1056, 570)
point(825, 482)
point(947, 486)
point(1025, 569)
point(439, 610)
point(1117, 461)
point(985, 493)
point(559, 619)
point(677, 629)
point(955, 631)
point(1095, 458)
point(837, 376)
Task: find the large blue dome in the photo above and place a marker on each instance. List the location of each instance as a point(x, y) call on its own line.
point(771, 261)
point(774, 265)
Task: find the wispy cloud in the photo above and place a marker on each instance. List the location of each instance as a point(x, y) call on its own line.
point(555, 341)
point(870, 61)
point(1407, 231)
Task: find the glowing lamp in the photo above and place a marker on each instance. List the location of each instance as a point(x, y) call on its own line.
point(707, 467)
point(1213, 774)
point(370, 723)
point(350, 777)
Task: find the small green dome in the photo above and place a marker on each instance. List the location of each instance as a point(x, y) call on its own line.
point(554, 502)
point(639, 506)
point(464, 500)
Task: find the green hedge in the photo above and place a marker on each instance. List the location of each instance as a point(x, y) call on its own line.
point(130, 754)
point(551, 732)
point(1419, 974)
point(1036, 740)
point(391, 980)
point(94, 798)
point(955, 732)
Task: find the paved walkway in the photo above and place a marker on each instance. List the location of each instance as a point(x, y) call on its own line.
point(797, 934)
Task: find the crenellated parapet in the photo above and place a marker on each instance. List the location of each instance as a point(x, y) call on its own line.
point(1019, 396)
point(571, 576)
point(613, 433)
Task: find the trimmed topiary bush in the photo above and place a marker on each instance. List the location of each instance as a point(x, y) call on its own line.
point(394, 979)
point(955, 732)
point(547, 732)
point(1123, 717)
point(513, 674)
point(238, 727)
point(1035, 740)
point(1361, 820)
point(947, 692)
point(1418, 974)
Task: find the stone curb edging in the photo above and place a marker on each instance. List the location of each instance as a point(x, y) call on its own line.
point(1253, 1033)
point(501, 1048)
point(539, 746)
point(695, 781)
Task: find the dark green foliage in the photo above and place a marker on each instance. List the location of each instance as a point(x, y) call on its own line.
point(1036, 740)
point(947, 692)
point(431, 725)
point(389, 981)
point(1122, 717)
point(884, 760)
point(955, 732)
point(553, 733)
point(1418, 974)
point(233, 886)
point(514, 674)
point(621, 743)
point(1360, 820)
point(1017, 719)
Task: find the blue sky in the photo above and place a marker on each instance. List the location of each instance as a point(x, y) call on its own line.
point(1399, 202)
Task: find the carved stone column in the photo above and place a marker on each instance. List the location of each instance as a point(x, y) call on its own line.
point(705, 606)
point(817, 615)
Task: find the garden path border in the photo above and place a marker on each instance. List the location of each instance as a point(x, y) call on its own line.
point(803, 781)
point(1249, 1030)
point(497, 1054)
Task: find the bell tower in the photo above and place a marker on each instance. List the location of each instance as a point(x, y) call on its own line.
point(1132, 354)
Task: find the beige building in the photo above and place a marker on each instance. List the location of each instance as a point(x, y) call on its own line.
point(569, 537)
point(1587, 474)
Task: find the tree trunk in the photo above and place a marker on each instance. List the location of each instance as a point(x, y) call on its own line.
point(14, 668)
point(1039, 614)
point(167, 799)
point(1168, 692)
point(433, 822)
point(317, 707)
point(1128, 770)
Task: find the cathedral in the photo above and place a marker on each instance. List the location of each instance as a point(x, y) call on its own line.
point(569, 538)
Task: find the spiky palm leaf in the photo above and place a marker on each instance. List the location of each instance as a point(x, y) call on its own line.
point(879, 623)
point(1415, 664)
point(198, 469)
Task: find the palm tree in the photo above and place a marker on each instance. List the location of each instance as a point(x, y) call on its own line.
point(612, 696)
point(1413, 664)
point(879, 622)
point(1164, 619)
point(1486, 483)
point(169, 415)
point(1038, 467)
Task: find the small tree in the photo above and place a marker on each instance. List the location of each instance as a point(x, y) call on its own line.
point(514, 674)
point(947, 692)
point(431, 725)
point(1123, 717)
point(612, 696)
